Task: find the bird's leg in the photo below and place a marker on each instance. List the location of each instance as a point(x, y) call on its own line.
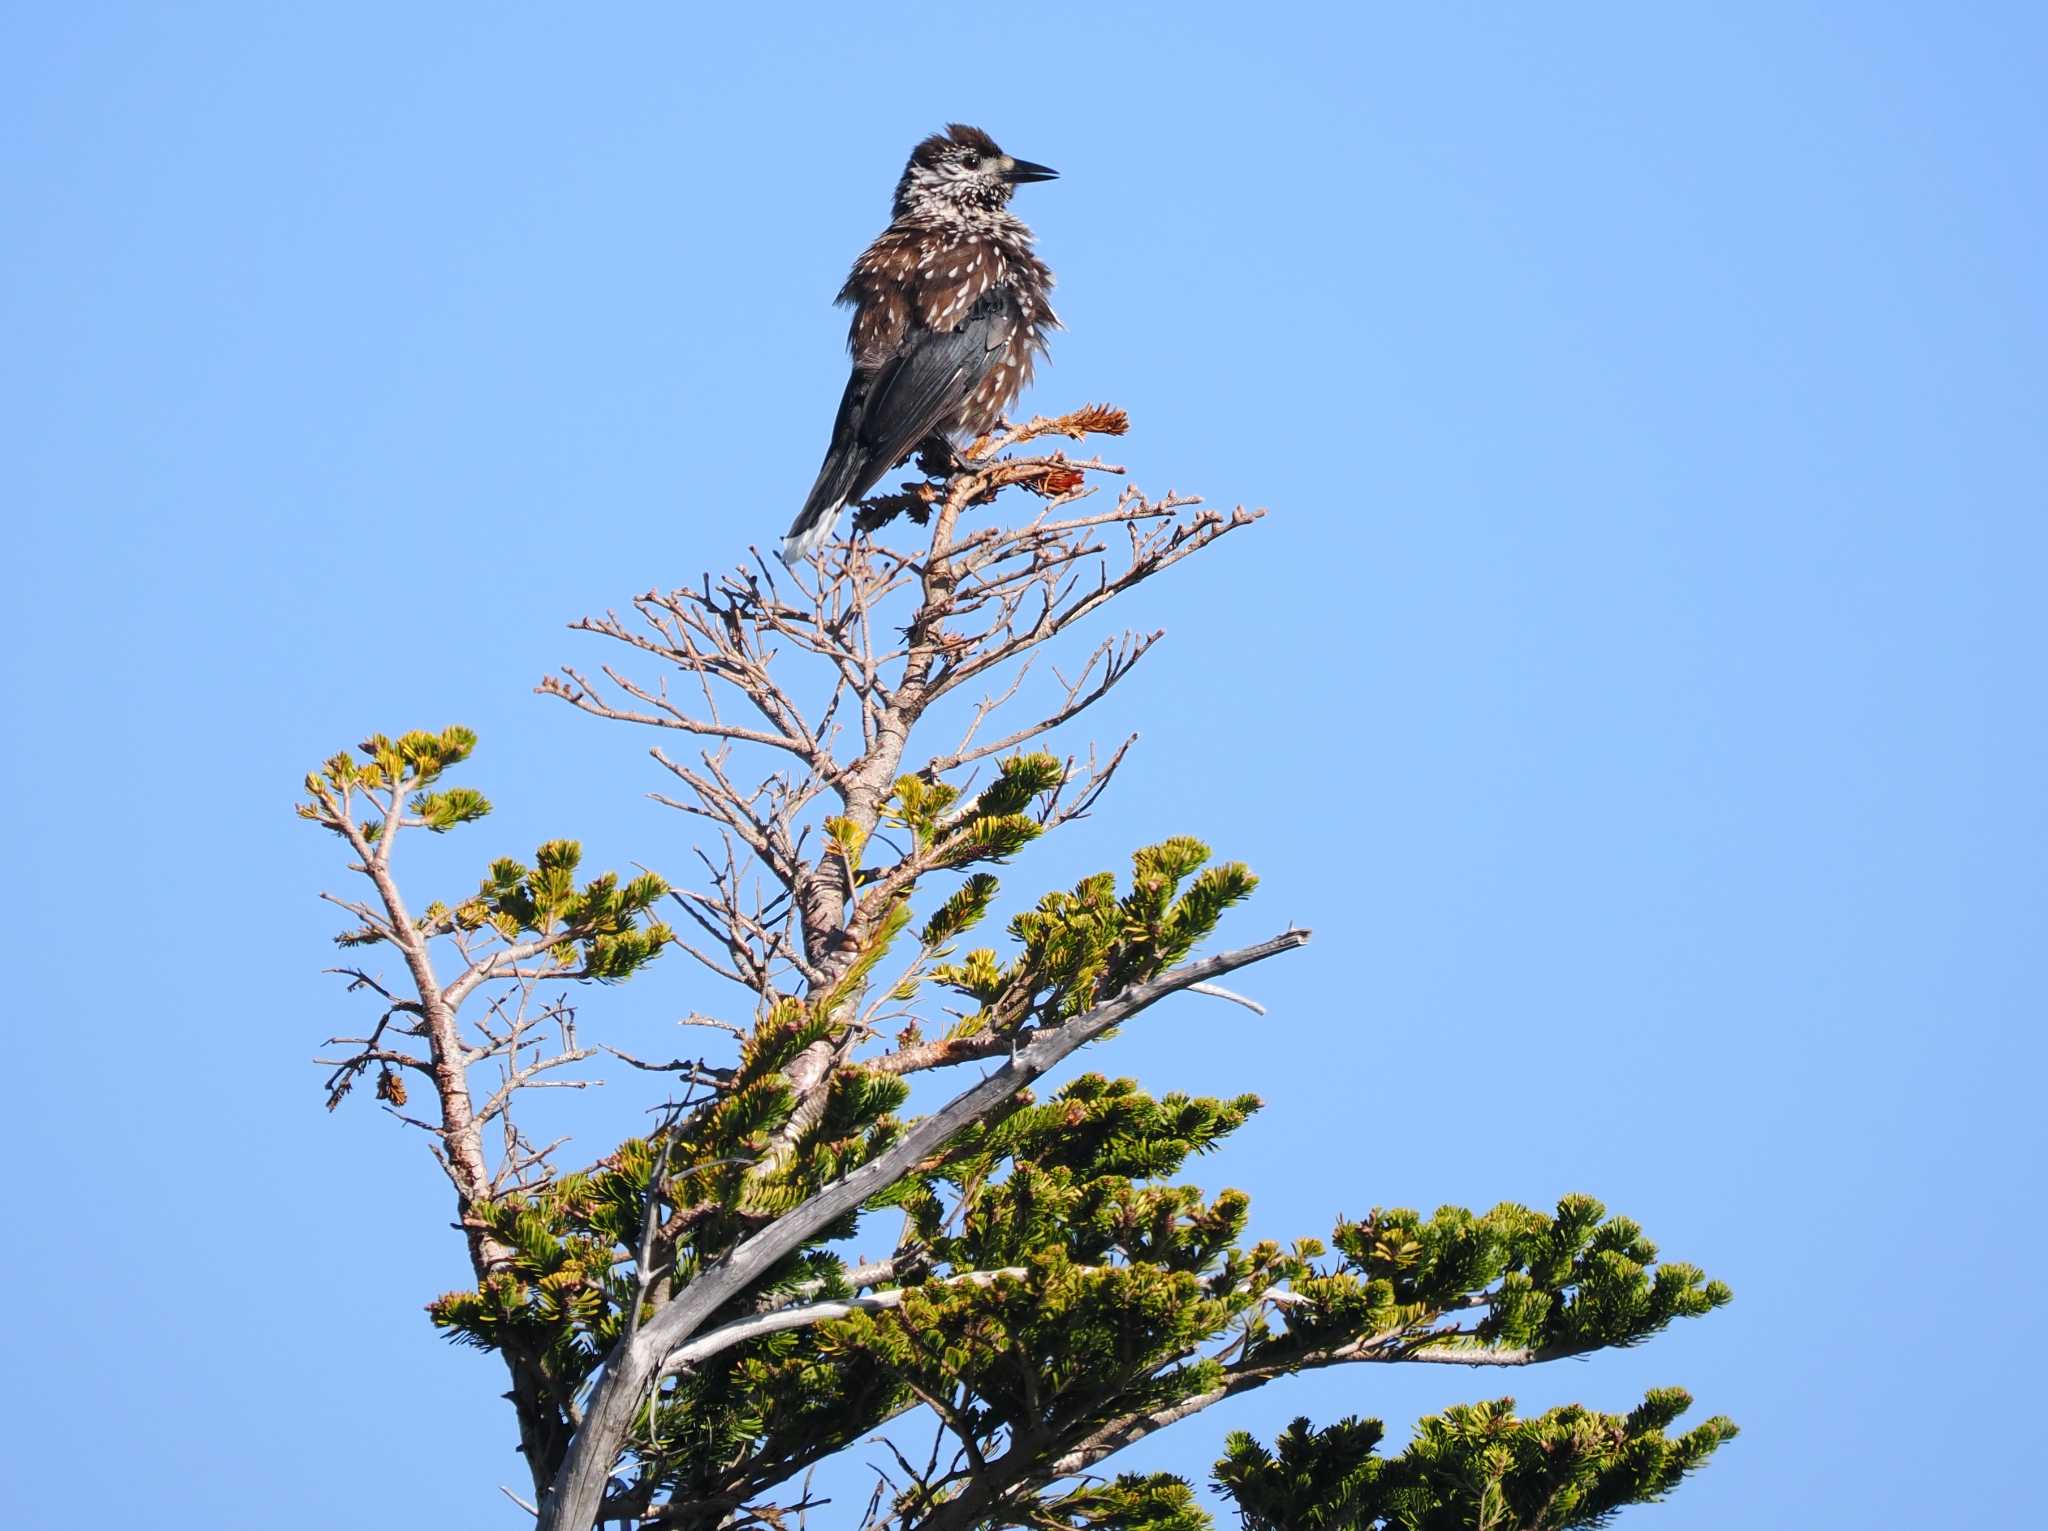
point(937, 457)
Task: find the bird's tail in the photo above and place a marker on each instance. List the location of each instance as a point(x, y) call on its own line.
point(812, 528)
point(847, 473)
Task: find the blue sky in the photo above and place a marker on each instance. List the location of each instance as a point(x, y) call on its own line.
point(1637, 683)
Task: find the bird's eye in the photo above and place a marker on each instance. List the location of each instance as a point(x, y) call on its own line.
point(971, 161)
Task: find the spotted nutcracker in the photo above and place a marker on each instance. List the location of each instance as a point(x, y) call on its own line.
point(949, 313)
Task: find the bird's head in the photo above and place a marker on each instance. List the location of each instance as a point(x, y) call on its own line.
point(961, 172)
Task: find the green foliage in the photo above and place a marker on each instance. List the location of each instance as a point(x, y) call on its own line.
point(563, 1298)
point(1128, 1284)
point(602, 926)
point(412, 760)
point(1064, 1174)
point(1057, 1286)
point(921, 806)
point(1312, 1480)
point(848, 839)
point(995, 826)
point(1080, 947)
point(1061, 1341)
point(789, 1027)
point(855, 978)
point(996, 837)
point(1559, 1285)
point(960, 913)
point(1020, 780)
point(560, 1299)
point(1132, 1502)
point(1472, 1465)
point(442, 811)
point(1117, 1288)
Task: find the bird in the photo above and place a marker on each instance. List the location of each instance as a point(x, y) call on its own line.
point(950, 311)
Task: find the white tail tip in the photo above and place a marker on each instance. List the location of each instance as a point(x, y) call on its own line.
point(798, 546)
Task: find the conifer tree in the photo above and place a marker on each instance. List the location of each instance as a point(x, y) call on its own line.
point(683, 1330)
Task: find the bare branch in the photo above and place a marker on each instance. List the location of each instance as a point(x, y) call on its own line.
point(1217, 991)
point(523, 1504)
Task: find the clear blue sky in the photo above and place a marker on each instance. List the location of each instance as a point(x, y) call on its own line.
point(1637, 685)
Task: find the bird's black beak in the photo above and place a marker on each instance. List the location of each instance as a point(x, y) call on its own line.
point(1023, 170)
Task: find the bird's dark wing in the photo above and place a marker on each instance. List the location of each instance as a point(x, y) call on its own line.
point(889, 409)
point(926, 381)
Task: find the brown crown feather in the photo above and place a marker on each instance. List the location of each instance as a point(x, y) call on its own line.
point(957, 134)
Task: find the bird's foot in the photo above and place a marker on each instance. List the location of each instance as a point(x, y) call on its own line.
point(937, 457)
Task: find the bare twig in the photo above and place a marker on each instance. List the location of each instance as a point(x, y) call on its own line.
point(1217, 991)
